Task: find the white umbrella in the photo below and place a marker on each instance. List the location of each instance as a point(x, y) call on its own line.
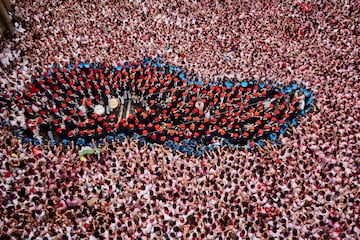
point(99, 109)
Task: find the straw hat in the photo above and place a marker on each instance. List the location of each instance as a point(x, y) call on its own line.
point(114, 103)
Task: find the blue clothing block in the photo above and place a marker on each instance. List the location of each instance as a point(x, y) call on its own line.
point(244, 84)
point(136, 137)
point(193, 144)
point(282, 131)
point(229, 85)
point(168, 143)
point(210, 147)
point(199, 153)
point(142, 142)
point(288, 89)
point(37, 142)
point(121, 135)
point(80, 141)
point(307, 93)
point(273, 136)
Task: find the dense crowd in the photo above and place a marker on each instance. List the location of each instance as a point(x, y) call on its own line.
point(306, 187)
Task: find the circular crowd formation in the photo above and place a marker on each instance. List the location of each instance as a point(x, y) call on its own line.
point(157, 102)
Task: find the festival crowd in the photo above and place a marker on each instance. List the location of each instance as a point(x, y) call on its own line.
point(304, 186)
point(81, 102)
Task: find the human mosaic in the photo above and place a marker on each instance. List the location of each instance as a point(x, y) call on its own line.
point(81, 102)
